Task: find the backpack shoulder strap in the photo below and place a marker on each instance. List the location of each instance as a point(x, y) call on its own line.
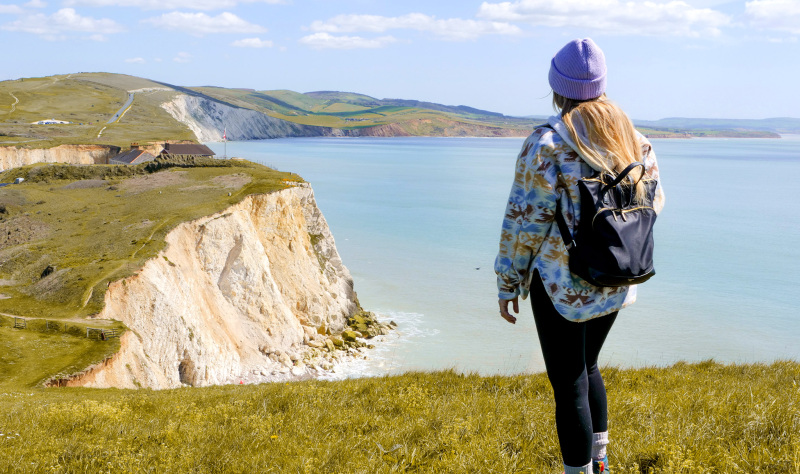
point(563, 228)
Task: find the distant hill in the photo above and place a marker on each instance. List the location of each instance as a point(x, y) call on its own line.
point(780, 124)
point(161, 111)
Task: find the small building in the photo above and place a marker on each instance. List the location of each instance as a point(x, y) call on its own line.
point(132, 157)
point(190, 149)
point(50, 122)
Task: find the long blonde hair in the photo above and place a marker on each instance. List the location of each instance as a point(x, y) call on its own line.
point(612, 141)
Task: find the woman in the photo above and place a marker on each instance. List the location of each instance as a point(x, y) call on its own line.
point(572, 316)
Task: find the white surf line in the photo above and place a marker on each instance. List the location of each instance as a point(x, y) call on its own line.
point(101, 132)
point(14, 105)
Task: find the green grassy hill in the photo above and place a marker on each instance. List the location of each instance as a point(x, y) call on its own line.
point(350, 111)
point(90, 225)
point(89, 100)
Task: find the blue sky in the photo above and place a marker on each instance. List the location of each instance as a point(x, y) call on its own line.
point(687, 58)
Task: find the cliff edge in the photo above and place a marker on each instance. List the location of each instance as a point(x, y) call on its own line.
point(244, 294)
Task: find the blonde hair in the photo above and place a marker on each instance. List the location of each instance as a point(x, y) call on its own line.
point(612, 141)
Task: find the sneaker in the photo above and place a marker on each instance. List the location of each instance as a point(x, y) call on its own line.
point(601, 466)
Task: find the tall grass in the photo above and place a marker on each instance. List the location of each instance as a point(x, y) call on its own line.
point(699, 418)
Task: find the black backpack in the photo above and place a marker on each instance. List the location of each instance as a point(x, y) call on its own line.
point(613, 244)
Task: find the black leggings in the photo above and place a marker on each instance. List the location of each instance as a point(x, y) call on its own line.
point(570, 355)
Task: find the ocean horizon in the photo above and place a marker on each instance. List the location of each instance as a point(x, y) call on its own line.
point(417, 222)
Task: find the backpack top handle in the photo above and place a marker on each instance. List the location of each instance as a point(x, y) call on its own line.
point(624, 173)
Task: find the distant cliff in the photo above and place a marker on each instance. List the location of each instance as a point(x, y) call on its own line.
point(13, 157)
point(209, 119)
point(435, 128)
point(244, 294)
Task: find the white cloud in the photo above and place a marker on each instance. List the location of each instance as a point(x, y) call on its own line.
point(201, 24)
point(63, 21)
point(673, 18)
point(182, 57)
point(783, 15)
point(135, 60)
point(328, 41)
point(252, 43)
point(451, 28)
point(36, 4)
point(11, 10)
point(167, 4)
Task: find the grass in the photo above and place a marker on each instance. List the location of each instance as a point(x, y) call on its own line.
point(88, 101)
point(698, 418)
point(97, 224)
point(31, 356)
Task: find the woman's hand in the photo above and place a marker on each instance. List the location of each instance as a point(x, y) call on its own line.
point(504, 309)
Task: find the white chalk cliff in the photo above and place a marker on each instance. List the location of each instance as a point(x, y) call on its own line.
point(13, 157)
point(208, 120)
point(242, 293)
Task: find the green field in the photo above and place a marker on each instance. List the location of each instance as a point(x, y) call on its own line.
point(689, 418)
point(87, 101)
point(98, 224)
point(41, 351)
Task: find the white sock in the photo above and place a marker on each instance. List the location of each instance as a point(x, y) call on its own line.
point(599, 442)
point(587, 469)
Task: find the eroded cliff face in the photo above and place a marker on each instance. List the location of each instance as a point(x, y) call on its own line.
point(208, 120)
point(234, 294)
point(12, 157)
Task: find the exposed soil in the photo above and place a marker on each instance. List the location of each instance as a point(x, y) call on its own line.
point(234, 181)
point(149, 182)
point(21, 230)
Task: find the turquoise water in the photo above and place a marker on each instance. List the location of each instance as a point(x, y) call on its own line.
point(417, 220)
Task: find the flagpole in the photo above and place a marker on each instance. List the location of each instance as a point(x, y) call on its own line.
point(225, 140)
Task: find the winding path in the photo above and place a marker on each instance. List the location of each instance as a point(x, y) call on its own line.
point(14, 105)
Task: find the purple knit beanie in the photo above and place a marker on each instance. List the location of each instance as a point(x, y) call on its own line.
point(578, 70)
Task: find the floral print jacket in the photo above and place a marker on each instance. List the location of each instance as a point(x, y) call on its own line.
point(548, 168)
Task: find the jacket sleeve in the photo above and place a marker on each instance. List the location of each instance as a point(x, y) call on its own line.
point(529, 214)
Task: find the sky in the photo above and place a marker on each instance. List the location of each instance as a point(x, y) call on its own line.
point(679, 58)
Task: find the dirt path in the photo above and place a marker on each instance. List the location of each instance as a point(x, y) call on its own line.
point(14, 105)
point(58, 320)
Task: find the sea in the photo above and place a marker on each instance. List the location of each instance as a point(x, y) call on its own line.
point(417, 222)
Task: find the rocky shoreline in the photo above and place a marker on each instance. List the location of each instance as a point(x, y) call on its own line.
point(324, 351)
